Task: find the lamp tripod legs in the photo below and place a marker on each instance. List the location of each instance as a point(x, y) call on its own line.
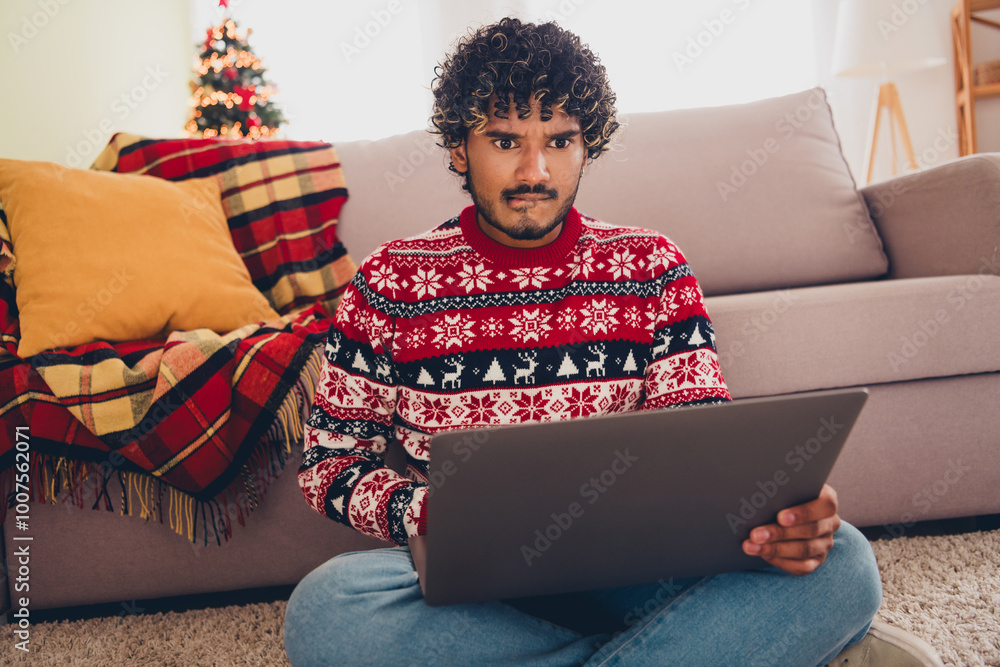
point(888, 98)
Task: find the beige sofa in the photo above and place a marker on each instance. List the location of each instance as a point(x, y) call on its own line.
point(806, 290)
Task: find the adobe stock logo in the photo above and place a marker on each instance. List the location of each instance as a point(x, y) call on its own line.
point(797, 458)
point(30, 26)
point(381, 19)
point(713, 29)
point(592, 490)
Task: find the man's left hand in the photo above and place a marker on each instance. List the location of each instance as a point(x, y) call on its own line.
point(803, 536)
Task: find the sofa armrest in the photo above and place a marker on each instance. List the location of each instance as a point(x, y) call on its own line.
point(941, 221)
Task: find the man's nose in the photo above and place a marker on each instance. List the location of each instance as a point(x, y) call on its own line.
point(532, 167)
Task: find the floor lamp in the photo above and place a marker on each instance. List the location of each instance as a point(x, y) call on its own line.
point(876, 38)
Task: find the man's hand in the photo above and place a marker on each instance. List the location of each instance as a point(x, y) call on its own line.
point(800, 541)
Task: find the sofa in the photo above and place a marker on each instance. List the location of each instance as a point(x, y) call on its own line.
point(811, 284)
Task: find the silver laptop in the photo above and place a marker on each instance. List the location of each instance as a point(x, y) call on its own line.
point(544, 508)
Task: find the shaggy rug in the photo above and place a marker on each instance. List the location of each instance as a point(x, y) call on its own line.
point(944, 589)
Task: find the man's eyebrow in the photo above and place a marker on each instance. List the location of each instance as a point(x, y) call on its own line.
point(502, 134)
point(567, 134)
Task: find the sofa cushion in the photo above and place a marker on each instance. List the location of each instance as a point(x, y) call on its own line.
point(117, 257)
point(848, 335)
point(942, 220)
point(758, 195)
point(282, 200)
point(400, 187)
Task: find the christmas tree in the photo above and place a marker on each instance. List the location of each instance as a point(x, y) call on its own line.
point(230, 94)
point(567, 367)
point(494, 373)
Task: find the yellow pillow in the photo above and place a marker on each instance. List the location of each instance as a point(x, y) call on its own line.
point(117, 257)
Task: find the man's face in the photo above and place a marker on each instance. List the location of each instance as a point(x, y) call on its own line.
point(523, 174)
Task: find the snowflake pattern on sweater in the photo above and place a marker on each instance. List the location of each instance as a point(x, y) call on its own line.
point(450, 330)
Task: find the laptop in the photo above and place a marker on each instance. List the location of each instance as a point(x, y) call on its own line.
point(544, 508)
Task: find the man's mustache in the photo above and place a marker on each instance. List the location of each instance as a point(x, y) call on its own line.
point(524, 189)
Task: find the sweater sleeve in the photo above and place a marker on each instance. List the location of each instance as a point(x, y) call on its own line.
point(343, 474)
point(684, 368)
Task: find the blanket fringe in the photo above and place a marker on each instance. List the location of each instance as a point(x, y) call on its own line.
point(58, 480)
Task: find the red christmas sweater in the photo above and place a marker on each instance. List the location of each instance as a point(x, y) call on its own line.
point(451, 329)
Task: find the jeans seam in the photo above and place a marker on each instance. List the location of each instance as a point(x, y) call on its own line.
point(653, 616)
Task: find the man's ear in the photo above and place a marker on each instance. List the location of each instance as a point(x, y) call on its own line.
point(459, 158)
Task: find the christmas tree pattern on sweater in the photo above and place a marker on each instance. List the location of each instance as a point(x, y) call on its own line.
point(450, 330)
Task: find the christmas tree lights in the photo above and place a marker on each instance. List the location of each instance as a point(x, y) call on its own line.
point(230, 96)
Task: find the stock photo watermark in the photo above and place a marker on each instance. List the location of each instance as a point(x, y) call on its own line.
point(564, 10)
point(758, 156)
point(665, 590)
point(924, 500)
point(899, 17)
point(88, 310)
point(881, 198)
point(928, 328)
point(796, 458)
point(21, 555)
point(756, 326)
point(464, 449)
point(34, 23)
point(591, 490)
point(424, 148)
point(122, 107)
point(713, 29)
point(364, 34)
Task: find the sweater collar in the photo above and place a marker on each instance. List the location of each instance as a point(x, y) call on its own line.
point(521, 257)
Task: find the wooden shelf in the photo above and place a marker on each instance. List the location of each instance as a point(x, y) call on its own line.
point(984, 5)
point(966, 94)
point(989, 90)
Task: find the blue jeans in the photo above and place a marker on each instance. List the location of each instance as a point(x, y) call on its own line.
point(366, 608)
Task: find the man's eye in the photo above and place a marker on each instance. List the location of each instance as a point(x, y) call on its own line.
point(504, 144)
point(560, 143)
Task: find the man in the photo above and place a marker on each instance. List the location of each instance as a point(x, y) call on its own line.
point(522, 309)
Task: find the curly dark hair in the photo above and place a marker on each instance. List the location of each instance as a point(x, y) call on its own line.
point(522, 62)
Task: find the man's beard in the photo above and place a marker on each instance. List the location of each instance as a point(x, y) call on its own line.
point(524, 231)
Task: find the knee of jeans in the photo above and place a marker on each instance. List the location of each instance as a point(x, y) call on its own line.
point(353, 574)
point(329, 601)
point(855, 565)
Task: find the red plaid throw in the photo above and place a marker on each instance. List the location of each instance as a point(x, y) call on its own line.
point(202, 420)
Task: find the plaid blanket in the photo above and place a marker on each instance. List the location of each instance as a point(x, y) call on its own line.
point(198, 425)
point(282, 199)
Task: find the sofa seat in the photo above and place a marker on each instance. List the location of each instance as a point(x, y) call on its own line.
point(857, 334)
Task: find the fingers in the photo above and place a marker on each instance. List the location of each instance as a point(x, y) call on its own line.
point(796, 557)
point(801, 539)
point(822, 507)
point(796, 567)
point(792, 549)
point(806, 531)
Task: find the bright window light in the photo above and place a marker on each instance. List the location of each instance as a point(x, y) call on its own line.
point(362, 70)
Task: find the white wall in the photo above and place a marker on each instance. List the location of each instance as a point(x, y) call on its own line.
point(73, 72)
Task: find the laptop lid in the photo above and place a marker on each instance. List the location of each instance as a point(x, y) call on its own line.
point(542, 508)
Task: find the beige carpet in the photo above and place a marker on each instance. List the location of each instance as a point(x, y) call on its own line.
point(944, 589)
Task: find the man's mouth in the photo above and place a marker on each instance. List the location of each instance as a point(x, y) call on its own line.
point(519, 197)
